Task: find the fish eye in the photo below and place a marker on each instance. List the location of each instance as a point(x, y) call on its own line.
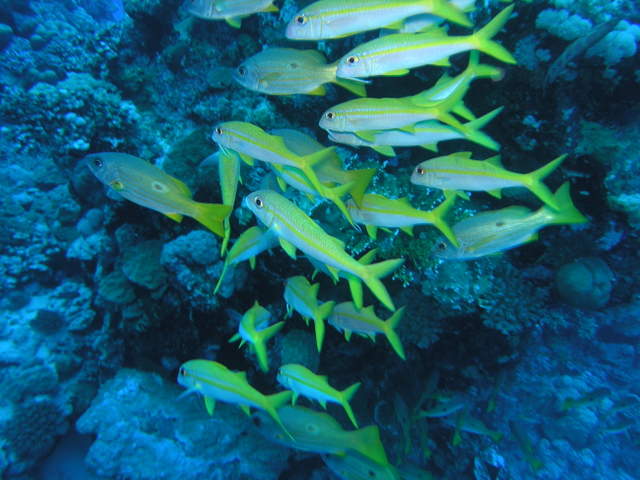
point(218, 131)
point(330, 115)
point(258, 201)
point(97, 162)
point(441, 246)
point(182, 373)
point(353, 59)
point(301, 19)
point(242, 71)
point(420, 171)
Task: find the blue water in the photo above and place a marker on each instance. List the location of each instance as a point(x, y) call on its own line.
point(519, 364)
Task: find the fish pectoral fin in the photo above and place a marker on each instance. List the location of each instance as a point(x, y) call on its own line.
point(495, 193)
point(367, 135)
point(407, 230)
point(432, 147)
point(210, 405)
point(288, 247)
point(252, 263)
point(347, 335)
point(323, 403)
point(176, 217)
point(246, 409)
point(334, 272)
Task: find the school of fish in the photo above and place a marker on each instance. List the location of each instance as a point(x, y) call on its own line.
point(412, 35)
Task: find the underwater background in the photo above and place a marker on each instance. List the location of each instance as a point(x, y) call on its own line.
point(515, 363)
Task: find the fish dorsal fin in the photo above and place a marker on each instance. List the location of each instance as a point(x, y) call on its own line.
point(495, 161)
point(210, 405)
point(367, 135)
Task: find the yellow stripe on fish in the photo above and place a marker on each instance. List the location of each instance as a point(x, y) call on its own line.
point(459, 171)
point(326, 19)
point(397, 53)
point(296, 230)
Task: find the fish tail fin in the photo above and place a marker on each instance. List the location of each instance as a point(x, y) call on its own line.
point(374, 273)
point(322, 313)
point(389, 330)
point(444, 9)
point(212, 216)
point(308, 161)
point(360, 180)
point(260, 344)
point(567, 212)
point(273, 402)
point(335, 194)
point(474, 134)
point(534, 179)
point(436, 217)
point(345, 397)
point(481, 70)
point(367, 442)
point(482, 38)
point(225, 266)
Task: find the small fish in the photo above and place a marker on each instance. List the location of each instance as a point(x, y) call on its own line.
point(331, 170)
point(229, 176)
point(379, 211)
point(459, 171)
point(346, 318)
point(288, 71)
point(147, 185)
point(231, 11)
point(353, 466)
point(296, 230)
point(466, 423)
point(425, 134)
point(250, 141)
point(319, 432)
point(364, 114)
point(593, 397)
point(215, 381)
point(325, 19)
point(250, 243)
point(395, 54)
point(487, 233)
point(302, 381)
point(302, 297)
point(526, 445)
point(253, 329)
point(443, 408)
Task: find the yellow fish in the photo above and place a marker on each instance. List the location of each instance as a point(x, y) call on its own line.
point(491, 232)
point(459, 171)
point(326, 19)
point(147, 185)
point(296, 230)
point(288, 71)
point(395, 54)
point(319, 432)
point(231, 11)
